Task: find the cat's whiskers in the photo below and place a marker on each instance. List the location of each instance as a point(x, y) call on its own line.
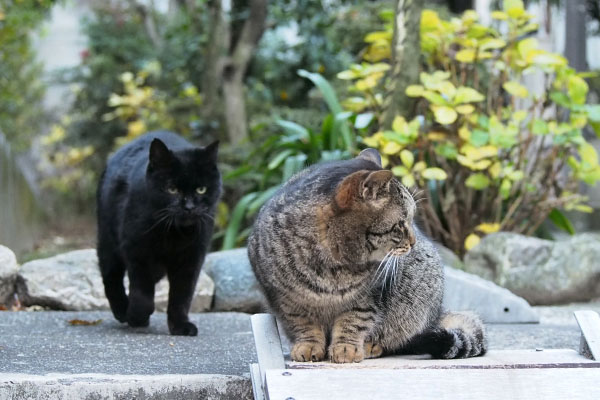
point(162, 216)
point(379, 270)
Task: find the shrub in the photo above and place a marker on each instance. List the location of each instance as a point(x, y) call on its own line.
point(488, 153)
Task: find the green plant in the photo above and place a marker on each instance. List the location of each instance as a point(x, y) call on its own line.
point(21, 86)
point(285, 154)
point(488, 153)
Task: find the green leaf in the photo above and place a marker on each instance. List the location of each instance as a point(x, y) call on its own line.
point(407, 158)
point(332, 102)
point(477, 181)
point(467, 95)
point(539, 127)
point(447, 150)
point(259, 200)
point(516, 89)
point(292, 165)
point(363, 120)
point(235, 221)
point(560, 98)
point(415, 91)
point(577, 89)
point(479, 138)
point(408, 180)
point(465, 55)
point(437, 174)
point(588, 154)
point(400, 170)
point(561, 221)
point(294, 130)
point(280, 158)
point(445, 115)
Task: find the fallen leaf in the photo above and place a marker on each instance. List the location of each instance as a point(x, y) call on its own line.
point(78, 322)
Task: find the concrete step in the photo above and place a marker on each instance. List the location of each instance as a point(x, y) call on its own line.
point(42, 356)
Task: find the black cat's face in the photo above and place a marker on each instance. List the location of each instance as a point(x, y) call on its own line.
point(184, 185)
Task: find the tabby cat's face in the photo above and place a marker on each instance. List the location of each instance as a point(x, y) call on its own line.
point(184, 185)
point(390, 229)
point(374, 216)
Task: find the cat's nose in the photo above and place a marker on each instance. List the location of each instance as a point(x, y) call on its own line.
point(188, 205)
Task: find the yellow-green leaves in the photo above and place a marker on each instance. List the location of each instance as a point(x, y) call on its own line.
point(485, 228)
point(444, 115)
point(478, 181)
point(407, 158)
point(516, 89)
point(467, 95)
point(434, 173)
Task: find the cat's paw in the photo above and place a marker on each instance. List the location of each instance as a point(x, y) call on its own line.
point(308, 351)
point(373, 350)
point(183, 329)
point(346, 353)
point(138, 322)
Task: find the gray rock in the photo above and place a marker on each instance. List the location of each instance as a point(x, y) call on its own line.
point(448, 257)
point(494, 304)
point(541, 271)
point(72, 281)
point(236, 287)
point(8, 274)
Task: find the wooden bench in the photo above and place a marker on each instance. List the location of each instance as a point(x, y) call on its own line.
point(500, 374)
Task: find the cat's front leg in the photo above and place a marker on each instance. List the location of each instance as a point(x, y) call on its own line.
point(309, 339)
point(182, 284)
point(348, 335)
point(141, 297)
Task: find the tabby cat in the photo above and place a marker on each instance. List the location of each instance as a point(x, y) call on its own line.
point(156, 205)
point(347, 272)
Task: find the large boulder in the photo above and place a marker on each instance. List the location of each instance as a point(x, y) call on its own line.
point(541, 271)
point(72, 281)
point(236, 287)
point(8, 274)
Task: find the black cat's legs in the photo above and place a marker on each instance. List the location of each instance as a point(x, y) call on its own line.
point(141, 299)
point(182, 283)
point(113, 272)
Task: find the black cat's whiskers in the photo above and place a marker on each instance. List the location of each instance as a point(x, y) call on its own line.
point(162, 215)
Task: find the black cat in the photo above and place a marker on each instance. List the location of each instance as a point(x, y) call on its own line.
point(156, 205)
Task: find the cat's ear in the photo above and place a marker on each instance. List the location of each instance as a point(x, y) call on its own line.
point(363, 185)
point(210, 151)
point(160, 155)
point(348, 191)
point(371, 155)
point(376, 185)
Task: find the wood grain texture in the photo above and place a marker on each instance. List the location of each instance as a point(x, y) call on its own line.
point(494, 359)
point(589, 323)
point(417, 384)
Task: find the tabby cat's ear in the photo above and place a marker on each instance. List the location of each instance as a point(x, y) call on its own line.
point(371, 155)
point(363, 185)
point(160, 155)
point(210, 151)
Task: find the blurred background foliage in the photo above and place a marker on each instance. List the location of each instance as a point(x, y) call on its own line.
point(314, 89)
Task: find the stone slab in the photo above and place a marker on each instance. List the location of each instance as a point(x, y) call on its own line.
point(493, 303)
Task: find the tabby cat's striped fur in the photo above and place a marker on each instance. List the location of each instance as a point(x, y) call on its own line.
point(347, 272)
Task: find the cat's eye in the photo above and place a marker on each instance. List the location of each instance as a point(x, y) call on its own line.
point(201, 190)
point(172, 190)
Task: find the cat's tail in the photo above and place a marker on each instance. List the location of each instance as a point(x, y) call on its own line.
point(457, 335)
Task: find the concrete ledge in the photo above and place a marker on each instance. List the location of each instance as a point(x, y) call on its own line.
point(139, 387)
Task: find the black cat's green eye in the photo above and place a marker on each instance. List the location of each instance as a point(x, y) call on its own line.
point(201, 190)
point(172, 190)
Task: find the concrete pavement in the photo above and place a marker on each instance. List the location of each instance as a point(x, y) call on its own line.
point(42, 356)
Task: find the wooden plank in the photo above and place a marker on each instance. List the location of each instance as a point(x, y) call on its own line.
point(554, 358)
point(267, 342)
point(417, 384)
point(257, 383)
point(589, 323)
